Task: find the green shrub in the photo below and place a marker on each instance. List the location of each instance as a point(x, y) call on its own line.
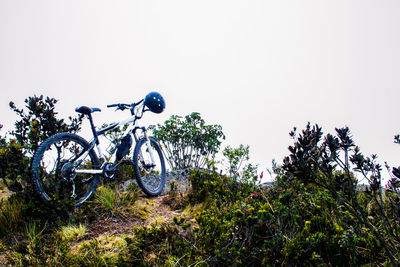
point(207, 186)
point(156, 245)
point(40, 122)
point(14, 165)
point(327, 163)
point(188, 142)
point(238, 166)
point(34, 126)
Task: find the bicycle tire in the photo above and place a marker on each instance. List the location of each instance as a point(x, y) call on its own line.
point(151, 179)
point(49, 178)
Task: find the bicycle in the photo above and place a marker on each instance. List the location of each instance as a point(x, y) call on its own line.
point(66, 166)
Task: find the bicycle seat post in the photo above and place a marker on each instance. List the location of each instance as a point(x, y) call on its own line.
point(93, 128)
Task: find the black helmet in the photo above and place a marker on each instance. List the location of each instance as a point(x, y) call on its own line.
point(155, 102)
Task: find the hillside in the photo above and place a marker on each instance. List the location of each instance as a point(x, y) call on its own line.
point(214, 222)
point(314, 213)
point(100, 226)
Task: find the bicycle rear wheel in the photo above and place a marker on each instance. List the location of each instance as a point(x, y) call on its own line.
point(52, 170)
point(149, 175)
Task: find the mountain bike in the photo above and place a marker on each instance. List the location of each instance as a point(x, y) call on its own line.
point(67, 167)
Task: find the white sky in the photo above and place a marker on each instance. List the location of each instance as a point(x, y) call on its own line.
point(258, 68)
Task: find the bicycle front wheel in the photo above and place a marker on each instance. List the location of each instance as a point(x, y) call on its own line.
point(53, 169)
point(149, 166)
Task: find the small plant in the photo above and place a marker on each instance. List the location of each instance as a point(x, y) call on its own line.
point(175, 198)
point(12, 216)
point(34, 233)
point(114, 202)
point(71, 232)
point(238, 166)
point(35, 243)
point(107, 198)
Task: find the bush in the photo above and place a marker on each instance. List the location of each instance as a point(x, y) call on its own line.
point(327, 163)
point(188, 142)
point(14, 165)
point(34, 126)
point(238, 165)
point(40, 122)
point(290, 223)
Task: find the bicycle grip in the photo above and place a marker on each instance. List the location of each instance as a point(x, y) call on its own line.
point(112, 105)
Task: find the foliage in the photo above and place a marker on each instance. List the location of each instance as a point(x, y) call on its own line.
point(175, 198)
point(314, 214)
point(40, 122)
point(154, 245)
point(12, 217)
point(14, 165)
point(114, 202)
point(34, 126)
point(327, 164)
point(290, 223)
point(394, 181)
point(221, 188)
point(188, 142)
point(70, 232)
point(114, 136)
point(238, 165)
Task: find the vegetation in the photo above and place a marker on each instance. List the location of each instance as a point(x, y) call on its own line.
point(40, 122)
point(35, 125)
point(327, 163)
point(238, 166)
point(315, 214)
point(188, 142)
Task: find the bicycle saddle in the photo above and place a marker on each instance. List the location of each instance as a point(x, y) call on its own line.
point(86, 110)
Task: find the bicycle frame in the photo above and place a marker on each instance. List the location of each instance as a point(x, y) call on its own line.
point(132, 130)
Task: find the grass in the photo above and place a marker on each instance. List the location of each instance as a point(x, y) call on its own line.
point(72, 232)
point(34, 232)
point(11, 214)
point(114, 202)
point(101, 251)
point(107, 199)
point(37, 242)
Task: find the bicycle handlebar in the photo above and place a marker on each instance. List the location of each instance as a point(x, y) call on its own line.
point(123, 106)
point(112, 105)
point(120, 106)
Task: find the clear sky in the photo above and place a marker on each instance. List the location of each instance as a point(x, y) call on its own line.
point(258, 68)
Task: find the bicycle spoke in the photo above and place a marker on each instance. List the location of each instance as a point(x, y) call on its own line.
point(149, 167)
point(53, 171)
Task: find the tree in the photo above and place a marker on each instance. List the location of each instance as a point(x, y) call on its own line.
point(188, 142)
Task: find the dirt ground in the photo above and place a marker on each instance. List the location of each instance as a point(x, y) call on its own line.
point(158, 211)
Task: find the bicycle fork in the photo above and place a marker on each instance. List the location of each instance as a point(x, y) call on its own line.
point(152, 162)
